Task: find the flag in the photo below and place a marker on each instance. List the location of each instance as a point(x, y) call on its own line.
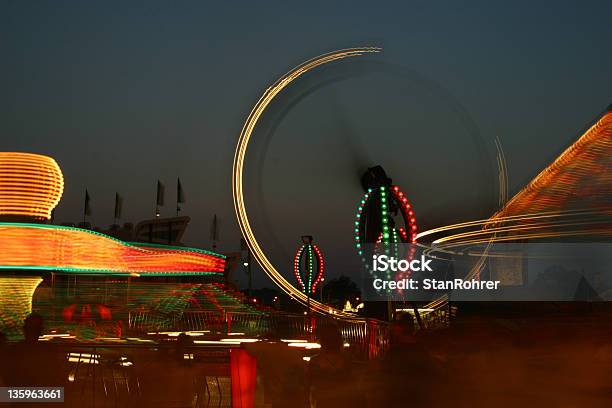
point(214, 232)
point(214, 229)
point(87, 209)
point(160, 194)
point(180, 195)
point(118, 205)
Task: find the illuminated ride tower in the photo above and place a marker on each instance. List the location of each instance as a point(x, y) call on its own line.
point(385, 216)
point(384, 221)
point(31, 185)
point(308, 266)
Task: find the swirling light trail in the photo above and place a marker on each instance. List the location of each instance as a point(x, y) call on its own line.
point(579, 179)
point(238, 169)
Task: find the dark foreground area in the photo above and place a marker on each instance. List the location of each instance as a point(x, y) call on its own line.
point(561, 360)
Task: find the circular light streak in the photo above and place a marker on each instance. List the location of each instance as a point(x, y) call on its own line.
point(238, 169)
point(31, 185)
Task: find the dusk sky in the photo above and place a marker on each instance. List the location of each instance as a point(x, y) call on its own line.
point(122, 95)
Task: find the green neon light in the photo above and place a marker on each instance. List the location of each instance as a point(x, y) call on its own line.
point(108, 271)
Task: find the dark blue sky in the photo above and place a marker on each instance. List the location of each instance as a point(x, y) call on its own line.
point(122, 95)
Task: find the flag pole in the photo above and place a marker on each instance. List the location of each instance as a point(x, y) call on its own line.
point(160, 197)
point(86, 209)
point(180, 195)
point(118, 207)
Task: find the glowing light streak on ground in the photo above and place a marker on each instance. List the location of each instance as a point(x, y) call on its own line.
point(31, 185)
point(50, 247)
point(238, 169)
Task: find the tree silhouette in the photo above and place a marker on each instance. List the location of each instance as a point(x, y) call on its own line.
point(337, 291)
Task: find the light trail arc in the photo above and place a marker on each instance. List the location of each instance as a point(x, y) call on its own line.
point(238, 170)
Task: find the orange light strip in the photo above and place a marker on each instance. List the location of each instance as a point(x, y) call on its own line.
point(50, 247)
point(30, 184)
point(569, 197)
point(580, 178)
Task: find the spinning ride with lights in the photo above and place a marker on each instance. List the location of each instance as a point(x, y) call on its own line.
point(31, 186)
point(595, 144)
point(385, 217)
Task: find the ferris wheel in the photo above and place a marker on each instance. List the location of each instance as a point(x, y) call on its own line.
point(385, 215)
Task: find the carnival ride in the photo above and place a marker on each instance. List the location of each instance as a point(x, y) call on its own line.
point(75, 250)
point(376, 220)
point(308, 266)
point(31, 186)
point(569, 198)
point(95, 309)
point(548, 207)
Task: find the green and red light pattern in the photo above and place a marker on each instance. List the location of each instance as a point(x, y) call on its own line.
point(308, 267)
point(390, 234)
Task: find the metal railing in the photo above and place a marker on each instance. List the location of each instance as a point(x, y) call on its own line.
point(370, 337)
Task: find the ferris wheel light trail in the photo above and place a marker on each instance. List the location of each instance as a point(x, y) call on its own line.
point(238, 170)
point(488, 221)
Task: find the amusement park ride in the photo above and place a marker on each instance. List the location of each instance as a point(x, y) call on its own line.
point(382, 201)
point(557, 203)
point(308, 266)
point(377, 222)
point(569, 198)
point(91, 282)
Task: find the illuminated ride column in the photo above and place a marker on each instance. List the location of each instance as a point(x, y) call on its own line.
point(31, 185)
point(385, 221)
point(309, 268)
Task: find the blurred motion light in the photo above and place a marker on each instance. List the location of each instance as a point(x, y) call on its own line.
point(31, 185)
point(50, 247)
